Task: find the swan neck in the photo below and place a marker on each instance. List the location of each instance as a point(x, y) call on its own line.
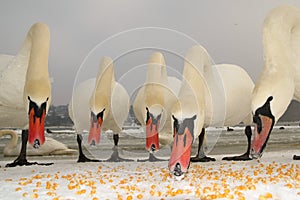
point(105, 83)
point(38, 41)
point(12, 142)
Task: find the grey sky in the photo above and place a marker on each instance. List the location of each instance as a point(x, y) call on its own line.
point(230, 31)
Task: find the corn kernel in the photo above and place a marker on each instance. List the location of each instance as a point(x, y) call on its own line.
point(129, 197)
point(268, 195)
point(34, 196)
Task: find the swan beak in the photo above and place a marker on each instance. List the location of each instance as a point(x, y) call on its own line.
point(262, 128)
point(181, 153)
point(95, 128)
point(95, 131)
point(152, 139)
point(37, 115)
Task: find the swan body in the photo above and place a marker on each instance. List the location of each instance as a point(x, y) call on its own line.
point(210, 95)
point(26, 90)
point(25, 75)
point(99, 104)
point(153, 102)
point(50, 147)
point(279, 81)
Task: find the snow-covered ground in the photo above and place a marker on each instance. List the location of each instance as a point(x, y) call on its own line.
point(274, 176)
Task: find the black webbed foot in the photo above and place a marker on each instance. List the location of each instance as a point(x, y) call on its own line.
point(24, 162)
point(83, 158)
point(243, 157)
point(295, 157)
point(116, 158)
point(152, 158)
point(203, 159)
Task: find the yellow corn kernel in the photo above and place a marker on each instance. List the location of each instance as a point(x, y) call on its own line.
point(261, 197)
point(129, 197)
point(289, 185)
point(152, 192)
point(79, 192)
point(34, 196)
point(139, 196)
point(25, 194)
point(38, 184)
point(52, 194)
point(268, 195)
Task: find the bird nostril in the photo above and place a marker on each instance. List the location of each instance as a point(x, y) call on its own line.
point(36, 143)
point(177, 170)
point(93, 143)
point(153, 147)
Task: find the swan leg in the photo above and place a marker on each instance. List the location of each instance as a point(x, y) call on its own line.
point(201, 157)
point(82, 157)
point(21, 159)
point(115, 155)
point(244, 156)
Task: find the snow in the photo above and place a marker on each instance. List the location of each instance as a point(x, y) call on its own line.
point(274, 176)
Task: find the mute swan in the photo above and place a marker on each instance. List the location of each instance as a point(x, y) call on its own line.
point(50, 147)
point(279, 81)
point(26, 90)
point(100, 104)
point(201, 104)
point(151, 105)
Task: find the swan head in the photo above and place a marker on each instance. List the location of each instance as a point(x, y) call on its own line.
point(263, 120)
point(37, 110)
point(153, 122)
point(96, 121)
point(183, 135)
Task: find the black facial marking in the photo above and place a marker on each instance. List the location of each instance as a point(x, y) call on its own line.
point(100, 114)
point(175, 125)
point(38, 111)
point(179, 128)
point(150, 115)
point(96, 117)
point(266, 111)
point(184, 140)
point(263, 110)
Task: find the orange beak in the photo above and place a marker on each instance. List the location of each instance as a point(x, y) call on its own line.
point(37, 115)
point(95, 128)
point(152, 140)
point(262, 131)
point(181, 152)
point(95, 132)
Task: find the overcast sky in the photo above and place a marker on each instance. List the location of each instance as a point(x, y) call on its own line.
point(84, 31)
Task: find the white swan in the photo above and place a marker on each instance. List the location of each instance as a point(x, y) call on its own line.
point(152, 103)
point(50, 147)
point(209, 96)
point(26, 90)
point(279, 81)
point(101, 104)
